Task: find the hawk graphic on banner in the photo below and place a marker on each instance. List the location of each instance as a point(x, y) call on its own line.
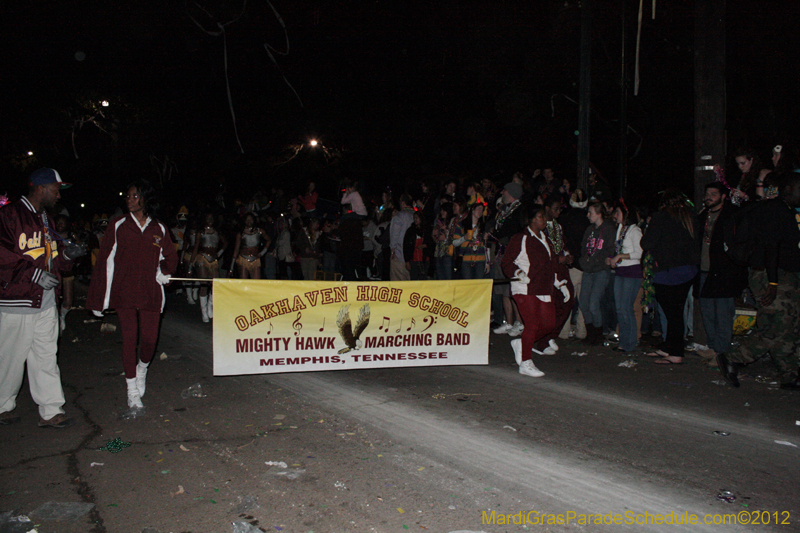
point(349, 335)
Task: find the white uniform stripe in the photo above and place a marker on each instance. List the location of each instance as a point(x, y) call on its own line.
point(110, 266)
point(158, 267)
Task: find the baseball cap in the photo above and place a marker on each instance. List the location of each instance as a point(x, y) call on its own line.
point(514, 189)
point(46, 176)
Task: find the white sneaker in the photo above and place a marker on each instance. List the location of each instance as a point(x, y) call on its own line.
point(503, 328)
point(516, 345)
point(553, 345)
point(549, 351)
point(527, 368)
point(516, 329)
point(134, 398)
point(141, 377)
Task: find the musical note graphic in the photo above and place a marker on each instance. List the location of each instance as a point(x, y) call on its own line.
point(413, 323)
point(323, 324)
point(430, 320)
point(401, 326)
point(270, 329)
point(296, 324)
point(386, 321)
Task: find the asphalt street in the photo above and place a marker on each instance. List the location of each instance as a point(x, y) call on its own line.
point(440, 449)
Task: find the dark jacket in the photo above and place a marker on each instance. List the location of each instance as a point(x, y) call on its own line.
point(574, 221)
point(23, 255)
point(725, 279)
point(780, 234)
point(600, 243)
point(514, 223)
point(410, 242)
point(670, 243)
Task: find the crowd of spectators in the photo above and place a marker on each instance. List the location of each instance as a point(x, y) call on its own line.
point(627, 271)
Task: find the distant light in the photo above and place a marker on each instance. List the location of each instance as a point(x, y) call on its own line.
point(104, 103)
point(120, 193)
point(313, 142)
point(83, 205)
point(30, 153)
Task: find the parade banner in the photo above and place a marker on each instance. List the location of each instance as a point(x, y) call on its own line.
point(271, 326)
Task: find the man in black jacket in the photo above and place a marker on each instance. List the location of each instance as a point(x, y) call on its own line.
point(721, 279)
point(776, 288)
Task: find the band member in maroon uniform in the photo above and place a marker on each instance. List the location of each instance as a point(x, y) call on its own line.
point(136, 259)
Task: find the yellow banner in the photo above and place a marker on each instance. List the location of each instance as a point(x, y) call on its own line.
point(270, 326)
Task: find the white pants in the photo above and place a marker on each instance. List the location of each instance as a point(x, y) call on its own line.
point(31, 339)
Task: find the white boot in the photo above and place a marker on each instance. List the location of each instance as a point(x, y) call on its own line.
point(527, 368)
point(204, 307)
point(210, 305)
point(516, 345)
point(190, 299)
point(141, 377)
point(134, 398)
point(551, 349)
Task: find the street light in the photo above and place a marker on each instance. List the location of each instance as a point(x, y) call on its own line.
point(30, 153)
point(313, 142)
point(104, 103)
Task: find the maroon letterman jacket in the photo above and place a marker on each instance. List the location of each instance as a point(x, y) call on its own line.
point(527, 253)
point(25, 254)
point(124, 276)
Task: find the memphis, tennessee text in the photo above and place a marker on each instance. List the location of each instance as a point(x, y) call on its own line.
point(366, 358)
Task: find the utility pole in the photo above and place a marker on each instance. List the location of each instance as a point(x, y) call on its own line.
point(709, 92)
point(584, 96)
point(623, 112)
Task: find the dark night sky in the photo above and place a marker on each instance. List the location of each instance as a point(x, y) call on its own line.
point(402, 88)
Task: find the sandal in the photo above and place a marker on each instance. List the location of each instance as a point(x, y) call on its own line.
point(669, 360)
point(657, 353)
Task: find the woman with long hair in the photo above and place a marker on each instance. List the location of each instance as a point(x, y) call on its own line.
point(136, 259)
point(251, 245)
point(628, 274)
point(209, 246)
point(532, 263)
point(670, 237)
point(751, 184)
point(596, 247)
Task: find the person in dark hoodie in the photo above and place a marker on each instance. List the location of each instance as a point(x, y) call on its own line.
point(670, 237)
point(596, 247)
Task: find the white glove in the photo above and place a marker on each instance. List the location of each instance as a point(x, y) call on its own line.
point(522, 276)
point(45, 279)
point(162, 278)
point(98, 314)
point(565, 292)
point(562, 286)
